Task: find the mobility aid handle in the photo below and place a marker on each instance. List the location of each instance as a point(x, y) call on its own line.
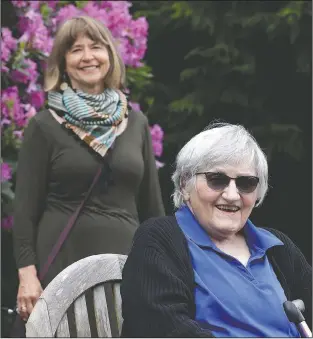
point(295, 316)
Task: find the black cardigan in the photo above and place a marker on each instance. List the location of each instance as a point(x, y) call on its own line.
point(158, 282)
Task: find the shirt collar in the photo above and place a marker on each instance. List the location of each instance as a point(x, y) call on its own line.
point(257, 238)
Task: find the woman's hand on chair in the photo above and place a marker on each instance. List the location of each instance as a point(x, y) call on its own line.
point(29, 291)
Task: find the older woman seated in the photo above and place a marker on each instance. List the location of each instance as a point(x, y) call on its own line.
point(208, 271)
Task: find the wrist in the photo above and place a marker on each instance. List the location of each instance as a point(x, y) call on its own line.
point(27, 271)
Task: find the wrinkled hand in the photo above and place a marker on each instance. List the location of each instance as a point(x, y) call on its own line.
point(28, 292)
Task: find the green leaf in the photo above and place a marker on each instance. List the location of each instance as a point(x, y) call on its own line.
point(45, 11)
point(81, 4)
point(292, 11)
point(181, 9)
point(149, 101)
point(245, 68)
point(139, 77)
point(187, 104)
point(6, 190)
point(189, 73)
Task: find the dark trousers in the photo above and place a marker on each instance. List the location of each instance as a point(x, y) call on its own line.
point(18, 328)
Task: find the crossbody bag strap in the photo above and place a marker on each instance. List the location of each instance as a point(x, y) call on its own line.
point(71, 222)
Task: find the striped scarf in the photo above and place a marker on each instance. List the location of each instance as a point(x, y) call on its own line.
point(95, 119)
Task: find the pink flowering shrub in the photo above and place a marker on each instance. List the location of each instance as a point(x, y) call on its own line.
point(5, 172)
point(157, 135)
point(24, 49)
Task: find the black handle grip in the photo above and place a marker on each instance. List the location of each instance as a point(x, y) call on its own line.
point(293, 313)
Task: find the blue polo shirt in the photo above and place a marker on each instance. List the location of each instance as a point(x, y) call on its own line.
point(233, 300)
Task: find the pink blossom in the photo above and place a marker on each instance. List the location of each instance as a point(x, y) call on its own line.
point(117, 21)
point(52, 3)
point(67, 12)
point(20, 4)
point(5, 121)
point(134, 106)
point(157, 147)
point(41, 40)
point(8, 44)
point(35, 33)
point(26, 73)
point(32, 87)
point(159, 164)
point(11, 106)
point(29, 111)
point(122, 6)
point(95, 12)
point(7, 223)
point(4, 68)
point(10, 102)
point(18, 134)
point(139, 28)
point(105, 4)
point(5, 52)
point(37, 98)
point(122, 46)
point(157, 133)
point(35, 5)
point(6, 172)
point(8, 39)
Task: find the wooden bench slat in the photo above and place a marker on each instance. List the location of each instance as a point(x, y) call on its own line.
point(81, 318)
point(63, 330)
point(118, 305)
point(101, 313)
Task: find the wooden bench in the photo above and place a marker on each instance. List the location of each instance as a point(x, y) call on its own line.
point(81, 301)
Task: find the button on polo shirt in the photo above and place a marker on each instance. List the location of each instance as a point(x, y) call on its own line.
point(233, 300)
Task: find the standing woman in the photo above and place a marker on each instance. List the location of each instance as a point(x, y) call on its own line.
point(86, 126)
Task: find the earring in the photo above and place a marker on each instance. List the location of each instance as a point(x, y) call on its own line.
point(64, 84)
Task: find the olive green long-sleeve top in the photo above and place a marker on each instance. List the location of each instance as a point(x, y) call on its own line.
point(54, 173)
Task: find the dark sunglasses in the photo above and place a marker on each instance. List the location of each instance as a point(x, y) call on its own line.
point(219, 181)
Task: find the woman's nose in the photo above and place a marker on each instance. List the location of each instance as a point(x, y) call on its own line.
point(87, 54)
point(231, 191)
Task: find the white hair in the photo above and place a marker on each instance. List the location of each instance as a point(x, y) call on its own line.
point(220, 144)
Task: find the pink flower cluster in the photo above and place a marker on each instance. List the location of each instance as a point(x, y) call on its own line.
point(157, 135)
point(135, 106)
point(8, 45)
point(26, 72)
point(11, 107)
point(7, 223)
point(34, 32)
point(6, 173)
point(13, 111)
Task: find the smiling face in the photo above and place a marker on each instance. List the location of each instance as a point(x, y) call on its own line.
point(87, 64)
point(222, 213)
